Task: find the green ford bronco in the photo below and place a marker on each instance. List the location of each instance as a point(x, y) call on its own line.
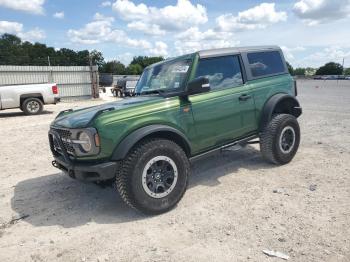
point(185, 108)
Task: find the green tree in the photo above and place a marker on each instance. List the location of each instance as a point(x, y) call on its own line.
point(97, 58)
point(145, 61)
point(347, 71)
point(13, 51)
point(10, 49)
point(330, 68)
point(65, 56)
point(290, 69)
point(299, 71)
point(82, 57)
point(134, 69)
point(113, 67)
point(309, 71)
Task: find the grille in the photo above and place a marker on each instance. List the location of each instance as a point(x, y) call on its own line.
point(65, 135)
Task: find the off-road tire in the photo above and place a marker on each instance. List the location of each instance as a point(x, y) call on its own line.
point(129, 175)
point(36, 101)
point(270, 139)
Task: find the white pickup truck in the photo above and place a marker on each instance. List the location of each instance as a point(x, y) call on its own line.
point(29, 98)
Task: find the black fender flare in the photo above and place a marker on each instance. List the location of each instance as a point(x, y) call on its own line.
point(291, 106)
point(122, 149)
point(31, 95)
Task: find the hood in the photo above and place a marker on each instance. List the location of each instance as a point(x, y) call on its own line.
point(81, 118)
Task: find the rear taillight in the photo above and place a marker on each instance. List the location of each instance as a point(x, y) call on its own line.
point(55, 90)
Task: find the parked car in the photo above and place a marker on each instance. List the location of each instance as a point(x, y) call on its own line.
point(105, 80)
point(186, 108)
point(125, 86)
point(330, 77)
point(29, 98)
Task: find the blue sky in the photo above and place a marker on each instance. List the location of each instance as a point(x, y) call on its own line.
point(311, 32)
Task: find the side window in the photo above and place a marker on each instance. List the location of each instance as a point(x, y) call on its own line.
point(265, 63)
point(222, 72)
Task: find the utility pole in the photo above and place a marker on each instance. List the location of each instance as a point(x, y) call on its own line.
point(93, 75)
point(50, 72)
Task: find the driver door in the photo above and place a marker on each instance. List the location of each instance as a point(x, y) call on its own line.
point(218, 113)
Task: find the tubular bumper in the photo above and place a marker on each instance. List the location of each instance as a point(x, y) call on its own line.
point(81, 171)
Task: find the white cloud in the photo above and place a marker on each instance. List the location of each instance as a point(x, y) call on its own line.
point(156, 21)
point(335, 54)
point(160, 49)
point(94, 32)
point(146, 28)
point(259, 16)
point(129, 11)
point(33, 35)
point(193, 40)
point(59, 15)
point(17, 29)
point(314, 12)
point(106, 3)
point(101, 30)
point(10, 27)
point(329, 54)
point(101, 17)
point(125, 58)
point(290, 51)
point(30, 6)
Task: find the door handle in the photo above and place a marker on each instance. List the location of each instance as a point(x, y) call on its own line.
point(244, 97)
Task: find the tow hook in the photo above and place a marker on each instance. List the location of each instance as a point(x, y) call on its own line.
point(54, 163)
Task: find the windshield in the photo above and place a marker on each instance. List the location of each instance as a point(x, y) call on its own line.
point(165, 77)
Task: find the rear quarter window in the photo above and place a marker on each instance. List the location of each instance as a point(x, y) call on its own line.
point(265, 63)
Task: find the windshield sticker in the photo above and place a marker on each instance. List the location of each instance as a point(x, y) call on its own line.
point(180, 69)
point(176, 84)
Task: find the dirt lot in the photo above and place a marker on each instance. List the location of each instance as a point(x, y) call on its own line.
point(236, 204)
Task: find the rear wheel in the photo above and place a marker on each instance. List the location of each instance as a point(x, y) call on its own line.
point(32, 106)
point(153, 177)
point(280, 139)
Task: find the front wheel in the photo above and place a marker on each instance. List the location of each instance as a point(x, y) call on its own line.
point(153, 177)
point(280, 139)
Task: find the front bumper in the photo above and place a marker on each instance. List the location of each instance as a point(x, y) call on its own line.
point(81, 171)
point(87, 172)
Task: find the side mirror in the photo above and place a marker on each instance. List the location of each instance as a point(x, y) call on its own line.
point(198, 85)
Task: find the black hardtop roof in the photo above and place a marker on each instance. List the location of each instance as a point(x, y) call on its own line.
point(235, 50)
point(222, 51)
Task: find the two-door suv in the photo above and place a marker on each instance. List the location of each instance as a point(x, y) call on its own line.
point(185, 108)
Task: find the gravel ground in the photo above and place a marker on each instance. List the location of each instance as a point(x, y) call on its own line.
point(236, 204)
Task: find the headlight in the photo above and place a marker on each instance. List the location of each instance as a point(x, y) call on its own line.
point(85, 141)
